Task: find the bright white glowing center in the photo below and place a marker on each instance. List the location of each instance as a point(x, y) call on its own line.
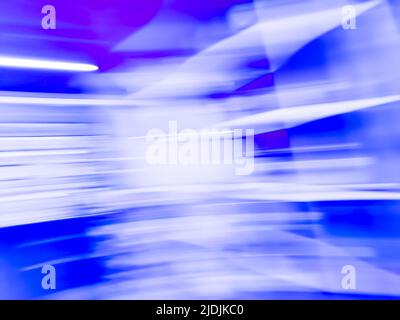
point(45, 64)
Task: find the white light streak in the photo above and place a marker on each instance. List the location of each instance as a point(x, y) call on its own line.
point(45, 64)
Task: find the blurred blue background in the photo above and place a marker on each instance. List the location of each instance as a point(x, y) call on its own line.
point(77, 193)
